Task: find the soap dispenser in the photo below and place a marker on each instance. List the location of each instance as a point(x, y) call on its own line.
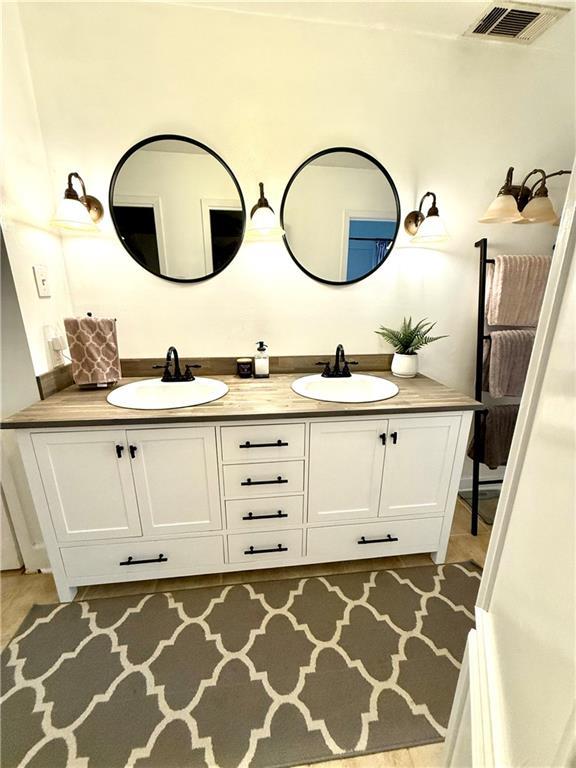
point(261, 361)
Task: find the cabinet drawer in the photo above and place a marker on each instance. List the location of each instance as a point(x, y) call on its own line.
point(269, 545)
point(263, 441)
point(264, 479)
point(105, 559)
point(272, 513)
point(398, 537)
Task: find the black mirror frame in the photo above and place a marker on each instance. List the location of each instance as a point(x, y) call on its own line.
point(177, 137)
point(329, 151)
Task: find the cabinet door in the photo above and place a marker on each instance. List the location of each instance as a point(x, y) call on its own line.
point(88, 483)
point(418, 467)
point(176, 478)
point(346, 460)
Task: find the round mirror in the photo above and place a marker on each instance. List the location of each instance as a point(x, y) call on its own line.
point(177, 208)
point(341, 214)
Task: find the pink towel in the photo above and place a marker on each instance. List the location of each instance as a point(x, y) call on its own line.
point(94, 350)
point(507, 362)
point(515, 289)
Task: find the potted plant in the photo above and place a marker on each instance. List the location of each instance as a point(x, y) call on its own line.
point(406, 342)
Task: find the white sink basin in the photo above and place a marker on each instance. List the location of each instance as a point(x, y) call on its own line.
point(358, 388)
point(154, 394)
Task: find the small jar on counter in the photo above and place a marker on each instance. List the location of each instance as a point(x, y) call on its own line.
point(244, 367)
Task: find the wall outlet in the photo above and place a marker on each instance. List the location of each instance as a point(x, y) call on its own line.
point(41, 277)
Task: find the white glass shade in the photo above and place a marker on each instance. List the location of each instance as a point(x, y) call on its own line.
point(502, 210)
point(432, 230)
point(263, 225)
point(263, 219)
point(72, 214)
point(539, 211)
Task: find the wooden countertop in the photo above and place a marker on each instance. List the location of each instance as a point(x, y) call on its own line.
point(247, 399)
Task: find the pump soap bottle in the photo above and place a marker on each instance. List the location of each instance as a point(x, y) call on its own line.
point(261, 361)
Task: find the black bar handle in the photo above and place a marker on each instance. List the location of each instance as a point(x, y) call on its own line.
point(277, 444)
point(133, 449)
point(278, 480)
point(131, 561)
point(364, 540)
point(119, 449)
point(383, 438)
point(252, 551)
point(275, 516)
point(394, 436)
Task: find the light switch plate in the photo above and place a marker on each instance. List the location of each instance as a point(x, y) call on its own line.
point(41, 277)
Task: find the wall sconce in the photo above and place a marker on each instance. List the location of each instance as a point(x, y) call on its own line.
point(263, 224)
point(522, 204)
point(78, 212)
point(426, 229)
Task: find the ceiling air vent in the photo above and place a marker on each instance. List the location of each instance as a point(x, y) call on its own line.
point(515, 22)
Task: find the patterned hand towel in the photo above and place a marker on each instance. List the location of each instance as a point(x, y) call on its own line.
point(94, 350)
point(507, 363)
point(496, 432)
point(515, 289)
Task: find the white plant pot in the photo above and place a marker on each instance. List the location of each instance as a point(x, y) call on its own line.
point(404, 366)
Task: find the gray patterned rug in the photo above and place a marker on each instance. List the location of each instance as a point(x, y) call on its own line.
point(264, 674)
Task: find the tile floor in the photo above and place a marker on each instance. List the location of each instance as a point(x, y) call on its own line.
point(19, 592)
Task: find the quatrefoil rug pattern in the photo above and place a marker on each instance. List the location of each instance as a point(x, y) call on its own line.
point(262, 674)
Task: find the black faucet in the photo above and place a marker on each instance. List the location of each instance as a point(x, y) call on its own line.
point(336, 372)
point(177, 375)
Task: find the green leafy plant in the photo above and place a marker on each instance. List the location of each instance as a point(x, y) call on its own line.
point(410, 338)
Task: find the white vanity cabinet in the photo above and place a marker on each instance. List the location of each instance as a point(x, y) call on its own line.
point(176, 479)
point(362, 469)
point(346, 464)
point(88, 484)
point(420, 454)
point(152, 501)
point(116, 483)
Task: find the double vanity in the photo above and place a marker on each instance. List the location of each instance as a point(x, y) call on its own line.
point(264, 476)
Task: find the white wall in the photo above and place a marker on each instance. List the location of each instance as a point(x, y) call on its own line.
point(265, 93)
point(180, 182)
point(29, 197)
point(18, 390)
point(314, 213)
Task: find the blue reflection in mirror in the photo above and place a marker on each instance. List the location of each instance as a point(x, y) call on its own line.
point(368, 244)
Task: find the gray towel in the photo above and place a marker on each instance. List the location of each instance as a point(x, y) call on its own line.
point(506, 363)
point(496, 432)
point(486, 345)
point(94, 350)
point(515, 289)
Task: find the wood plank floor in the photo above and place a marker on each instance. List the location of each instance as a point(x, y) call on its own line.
point(19, 592)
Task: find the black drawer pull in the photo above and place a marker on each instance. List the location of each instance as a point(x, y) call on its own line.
point(364, 540)
point(394, 436)
point(119, 449)
point(277, 444)
point(252, 551)
point(278, 480)
point(275, 516)
point(131, 561)
point(133, 449)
